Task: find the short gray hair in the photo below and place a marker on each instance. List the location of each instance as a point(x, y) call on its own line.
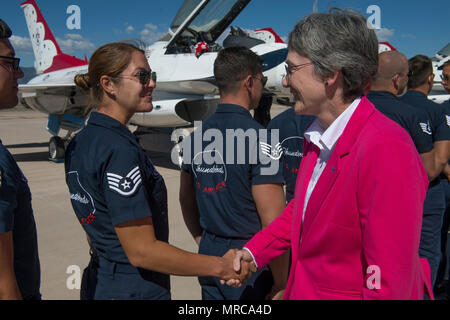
point(338, 41)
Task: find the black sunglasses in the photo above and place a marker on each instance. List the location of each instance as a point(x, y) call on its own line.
point(15, 62)
point(144, 76)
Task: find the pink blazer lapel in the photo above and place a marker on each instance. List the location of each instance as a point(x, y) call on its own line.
point(306, 169)
point(333, 168)
point(321, 191)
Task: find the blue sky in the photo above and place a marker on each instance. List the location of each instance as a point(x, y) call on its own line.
point(413, 27)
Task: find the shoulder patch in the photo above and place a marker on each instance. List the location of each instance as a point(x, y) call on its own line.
point(426, 128)
point(125, 186)
point(274, 153)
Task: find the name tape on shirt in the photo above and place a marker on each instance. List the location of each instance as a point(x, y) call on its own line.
point(125, 186)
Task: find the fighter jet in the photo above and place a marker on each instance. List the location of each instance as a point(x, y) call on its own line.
point(183, 61)
point(439, 94)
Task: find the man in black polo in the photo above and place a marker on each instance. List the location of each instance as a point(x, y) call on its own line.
point(440, 283)
point(231, 180)
point(291, 128)
point(390, 82)
point(445, 77)
point(19, 260)
point(420, 83)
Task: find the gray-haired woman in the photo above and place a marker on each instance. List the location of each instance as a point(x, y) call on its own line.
point(354, 224)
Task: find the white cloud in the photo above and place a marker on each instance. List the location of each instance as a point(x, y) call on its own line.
point(151, 26)
point(22, 45)
point(151, 33)
point(385, 34)
point(74, 36)
point(129, 29)
point(72, 43)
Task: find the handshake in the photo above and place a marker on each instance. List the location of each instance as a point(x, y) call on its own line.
point(237, 267)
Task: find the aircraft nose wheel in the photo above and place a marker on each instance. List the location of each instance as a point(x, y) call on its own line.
point(56, 149)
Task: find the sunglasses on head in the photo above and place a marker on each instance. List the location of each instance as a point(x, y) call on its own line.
point(14, 62)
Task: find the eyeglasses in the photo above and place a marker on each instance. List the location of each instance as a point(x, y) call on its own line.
point(13, 63)
point(263, 80)
point(144, 76)
point(291, 69)
point(445, 77)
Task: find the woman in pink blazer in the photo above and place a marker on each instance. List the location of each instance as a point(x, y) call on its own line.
point(354, 225)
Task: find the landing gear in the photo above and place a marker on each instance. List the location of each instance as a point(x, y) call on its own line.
point(57, 145)
point(56, 149)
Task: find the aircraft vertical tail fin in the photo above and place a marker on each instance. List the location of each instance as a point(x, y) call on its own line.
point(269, 35)
point(47, 52)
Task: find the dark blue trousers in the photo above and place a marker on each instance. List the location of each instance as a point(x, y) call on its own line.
point(430, 238)
point(125, 282)
point(444, 270)
point(256, 288)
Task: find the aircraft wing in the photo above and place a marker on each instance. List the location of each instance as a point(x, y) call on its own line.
point(27, 88)
point(54, 98)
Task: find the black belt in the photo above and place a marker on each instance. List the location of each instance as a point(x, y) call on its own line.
point(215, 236)
point(113, 267)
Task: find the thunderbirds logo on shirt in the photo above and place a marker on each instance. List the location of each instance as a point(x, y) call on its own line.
point(210, 172)
point(82, 201)
point(291, 147)
point(125, 186)
point(274, 153)
point(426, 128)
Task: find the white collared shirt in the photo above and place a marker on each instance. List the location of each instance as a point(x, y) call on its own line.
point(325, 139)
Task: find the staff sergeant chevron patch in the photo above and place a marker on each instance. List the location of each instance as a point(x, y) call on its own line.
point(274, 153)
point(125, 186)
point(426, 128)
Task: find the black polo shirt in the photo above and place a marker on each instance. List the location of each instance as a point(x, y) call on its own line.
point(414, 120)
point(225, 157)
point(112, 181)
point(440, 126)
point(436, 112)
point(291, 127)
point(16, 215)
point(447, 103)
